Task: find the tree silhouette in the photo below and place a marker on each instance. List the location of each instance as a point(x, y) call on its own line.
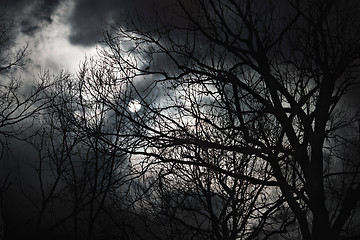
point(243, 132)
point(19, 106)
point(248, 82)
point(82, 184)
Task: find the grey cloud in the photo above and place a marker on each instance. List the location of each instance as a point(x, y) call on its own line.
point(31, 14)
point(89, 15)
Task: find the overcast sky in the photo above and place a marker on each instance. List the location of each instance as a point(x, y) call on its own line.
point(61, 32)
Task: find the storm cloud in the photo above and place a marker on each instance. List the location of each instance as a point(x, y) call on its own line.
point(86, 17)
point(31, 15)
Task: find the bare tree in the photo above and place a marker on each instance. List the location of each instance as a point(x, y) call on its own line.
point(79, 175)
point(250, 80)
point(9, 56)
point(19, 105)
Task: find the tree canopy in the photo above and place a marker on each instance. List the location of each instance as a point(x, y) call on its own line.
point(239, 127)
point(244, 101)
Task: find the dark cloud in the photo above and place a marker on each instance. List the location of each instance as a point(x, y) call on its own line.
point(89, 16)
point(31, 15)
point(14, 4)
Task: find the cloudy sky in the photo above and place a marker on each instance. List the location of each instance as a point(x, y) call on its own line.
point(61, 32)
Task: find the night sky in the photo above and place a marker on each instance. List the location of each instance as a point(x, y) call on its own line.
point(60, 34)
